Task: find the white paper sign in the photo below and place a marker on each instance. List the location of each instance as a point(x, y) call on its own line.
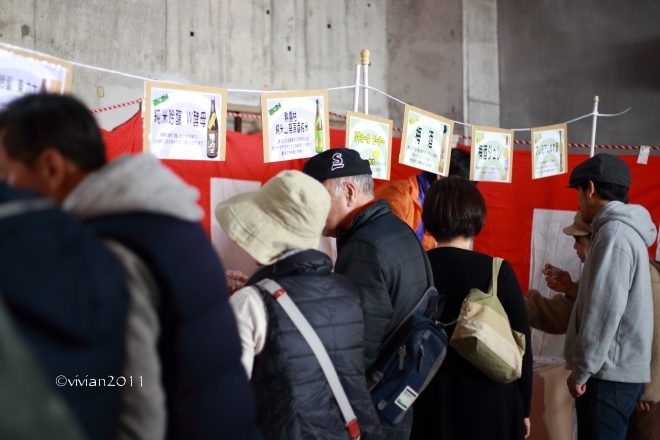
point(23, 72)
point(295, 124)
point(549, 151)
point(372, 138)
point(185, 122)
point(426, 141)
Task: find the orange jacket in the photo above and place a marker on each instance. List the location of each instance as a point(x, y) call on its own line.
point(403, 197)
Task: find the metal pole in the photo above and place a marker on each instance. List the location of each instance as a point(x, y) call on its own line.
point(365, 73)
point(592, 149)
point(356, 91)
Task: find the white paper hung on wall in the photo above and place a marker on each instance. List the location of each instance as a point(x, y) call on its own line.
point(644, 152)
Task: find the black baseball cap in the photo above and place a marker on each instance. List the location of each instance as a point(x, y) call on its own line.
point(336, 162)
point(605, 168)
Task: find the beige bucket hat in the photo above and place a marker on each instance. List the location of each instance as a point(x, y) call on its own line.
point(288, 212)
point(579, 228)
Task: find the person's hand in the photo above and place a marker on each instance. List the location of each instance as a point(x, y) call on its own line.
point(528, 427)
point(643, 406)
point(576, 389)
point(559, 280)
point(235, 280)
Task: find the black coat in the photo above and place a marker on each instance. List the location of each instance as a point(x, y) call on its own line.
point(207, 392)
point(66, 293)
point(461, 402)
point(294, 400)
point(381, 255)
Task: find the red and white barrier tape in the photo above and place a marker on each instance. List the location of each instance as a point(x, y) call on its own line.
point(116, 106)
point(397, 129)
point(607, 147)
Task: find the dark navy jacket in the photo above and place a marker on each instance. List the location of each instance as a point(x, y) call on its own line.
point(294, 399)
point(381, 255)
point(208, 395)
point(66, 293)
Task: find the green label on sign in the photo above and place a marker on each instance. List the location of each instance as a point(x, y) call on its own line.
point(161, 100)
point(274, 109)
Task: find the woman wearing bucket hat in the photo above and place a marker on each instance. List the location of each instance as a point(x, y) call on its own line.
point(280, 226)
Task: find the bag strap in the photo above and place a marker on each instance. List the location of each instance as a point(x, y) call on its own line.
point(497, 263)
point(427, 265)
point(280, 295)
point(19, 207)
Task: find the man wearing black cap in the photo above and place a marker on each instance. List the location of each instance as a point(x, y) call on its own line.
point(376, 250)
point(608, 342)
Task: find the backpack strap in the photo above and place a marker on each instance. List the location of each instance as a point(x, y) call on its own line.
point(280, 295)
point(497, 263)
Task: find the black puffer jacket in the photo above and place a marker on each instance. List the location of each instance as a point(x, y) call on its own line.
point(294, 400)
point(381, 255)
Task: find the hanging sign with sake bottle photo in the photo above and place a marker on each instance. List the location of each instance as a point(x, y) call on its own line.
point(295, 124)
point(184, 122)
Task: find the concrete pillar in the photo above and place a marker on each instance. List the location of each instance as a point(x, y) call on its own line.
point(481, 84)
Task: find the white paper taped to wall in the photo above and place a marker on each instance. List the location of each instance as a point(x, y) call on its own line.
point(550, 246)
point(643, 157)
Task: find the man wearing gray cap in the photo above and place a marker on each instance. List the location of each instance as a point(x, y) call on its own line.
point(608, 342)
point(376, 250)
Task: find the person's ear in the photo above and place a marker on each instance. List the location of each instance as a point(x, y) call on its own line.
point(591, 191)
point(351, 194)
point(52, 167)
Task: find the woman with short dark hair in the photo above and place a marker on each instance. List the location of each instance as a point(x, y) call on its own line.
point(461, 402)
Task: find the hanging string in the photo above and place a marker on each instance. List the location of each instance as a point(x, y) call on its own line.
point(142, 78)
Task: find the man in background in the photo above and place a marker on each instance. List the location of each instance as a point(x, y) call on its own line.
point(608, 342)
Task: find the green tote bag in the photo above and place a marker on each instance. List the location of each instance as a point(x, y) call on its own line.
point(484, 336)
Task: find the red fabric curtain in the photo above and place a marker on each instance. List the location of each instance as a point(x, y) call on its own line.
point(508, 228)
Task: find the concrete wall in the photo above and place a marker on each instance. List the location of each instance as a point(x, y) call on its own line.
point(555, 55)
point(255, 44)
point(425, 45)
point(481, 85)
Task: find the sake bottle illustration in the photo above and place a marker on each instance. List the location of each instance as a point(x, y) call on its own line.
point(443, 142)
point(561, 152)
point(212, 133)
point(318, 130)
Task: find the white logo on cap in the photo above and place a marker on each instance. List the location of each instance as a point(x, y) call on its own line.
point(337, 161)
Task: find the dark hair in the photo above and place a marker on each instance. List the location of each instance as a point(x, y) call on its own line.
point(34, 123)
point(453, 208)
point(459, 165)
point(608, 191)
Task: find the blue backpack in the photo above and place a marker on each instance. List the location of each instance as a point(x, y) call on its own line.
point(409, 357)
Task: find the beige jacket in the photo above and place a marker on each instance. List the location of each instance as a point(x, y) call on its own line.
point(651, 391)
point(551, 315)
